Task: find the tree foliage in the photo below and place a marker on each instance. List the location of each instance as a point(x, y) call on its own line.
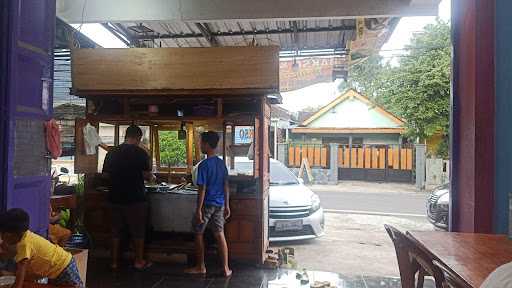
point(367, 77)
point(418, 87)
point(173, 151)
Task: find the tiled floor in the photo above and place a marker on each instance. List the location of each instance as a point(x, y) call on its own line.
point(163, 276)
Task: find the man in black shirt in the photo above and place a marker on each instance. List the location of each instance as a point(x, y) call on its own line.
point(127, 166)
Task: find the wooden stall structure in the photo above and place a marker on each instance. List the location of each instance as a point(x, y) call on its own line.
point(182, 91)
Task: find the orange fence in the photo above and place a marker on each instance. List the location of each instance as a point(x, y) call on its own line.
point(376, 157)
point(317, 155)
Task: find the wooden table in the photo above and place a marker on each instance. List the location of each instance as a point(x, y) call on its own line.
point(471, 256)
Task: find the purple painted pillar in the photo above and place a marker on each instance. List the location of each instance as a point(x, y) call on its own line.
point(26, 102)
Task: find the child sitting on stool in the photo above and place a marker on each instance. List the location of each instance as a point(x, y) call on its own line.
point(36, 257)
point(56, 233)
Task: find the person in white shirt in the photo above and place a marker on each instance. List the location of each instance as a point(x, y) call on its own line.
point(500, 278)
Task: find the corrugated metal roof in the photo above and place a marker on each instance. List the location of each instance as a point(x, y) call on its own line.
point(289, 35)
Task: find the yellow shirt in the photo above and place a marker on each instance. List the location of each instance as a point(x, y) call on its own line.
point(44, 258)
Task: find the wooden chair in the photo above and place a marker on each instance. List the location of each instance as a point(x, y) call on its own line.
point(451, 280)
point(427, 266)
point(412, 260)
point(407, 266)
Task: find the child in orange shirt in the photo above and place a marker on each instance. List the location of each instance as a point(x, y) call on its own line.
point(56, 233)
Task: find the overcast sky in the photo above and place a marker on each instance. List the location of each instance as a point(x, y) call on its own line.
point(322, 93)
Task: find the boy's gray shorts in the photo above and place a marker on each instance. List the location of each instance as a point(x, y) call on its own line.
point(213, 217)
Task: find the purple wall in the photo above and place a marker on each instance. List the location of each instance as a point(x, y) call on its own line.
point(27, 103)
point(3, 101)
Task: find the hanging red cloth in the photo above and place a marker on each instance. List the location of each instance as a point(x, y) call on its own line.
point(53, 138)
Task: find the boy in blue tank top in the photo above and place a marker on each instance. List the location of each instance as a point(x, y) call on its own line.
point(212, 203)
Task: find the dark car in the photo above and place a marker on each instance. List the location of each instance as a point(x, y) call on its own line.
point(438, 206)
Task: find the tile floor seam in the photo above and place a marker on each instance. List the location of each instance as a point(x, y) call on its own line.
point(159, 282)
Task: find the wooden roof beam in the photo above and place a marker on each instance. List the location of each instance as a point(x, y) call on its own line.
point(207, 34)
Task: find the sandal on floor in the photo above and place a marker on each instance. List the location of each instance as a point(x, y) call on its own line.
point(146, 266)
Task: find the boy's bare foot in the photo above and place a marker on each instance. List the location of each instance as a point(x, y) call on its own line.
point(227, 273)
point(196, 270)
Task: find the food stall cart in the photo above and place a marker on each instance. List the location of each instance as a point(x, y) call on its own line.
point(183, 91)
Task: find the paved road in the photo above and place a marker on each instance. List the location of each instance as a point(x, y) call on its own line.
point(355, 245)
point(354, 235)
point(374, 202)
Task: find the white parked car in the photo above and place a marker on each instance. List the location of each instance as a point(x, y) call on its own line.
point(295, 212)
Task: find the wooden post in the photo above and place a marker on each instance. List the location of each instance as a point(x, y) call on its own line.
point(190, 146)
point(473, 113)
point(350, 149)
point(224, 145)
point(232, 144)
point(116, 135)
point(363, 147)
point(220, 110)
point(197, 140)
point(386, 160)
point(156, 136)
point(151, 146)
point(399, 157)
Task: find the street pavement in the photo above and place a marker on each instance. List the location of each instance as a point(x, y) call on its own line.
point(354, 245)
point(355, 242)
point(374, 202)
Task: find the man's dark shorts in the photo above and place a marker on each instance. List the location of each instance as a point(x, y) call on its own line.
point(134, 216)
point(213, 217)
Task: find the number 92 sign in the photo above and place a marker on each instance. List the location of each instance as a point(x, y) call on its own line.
point(244, 134)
